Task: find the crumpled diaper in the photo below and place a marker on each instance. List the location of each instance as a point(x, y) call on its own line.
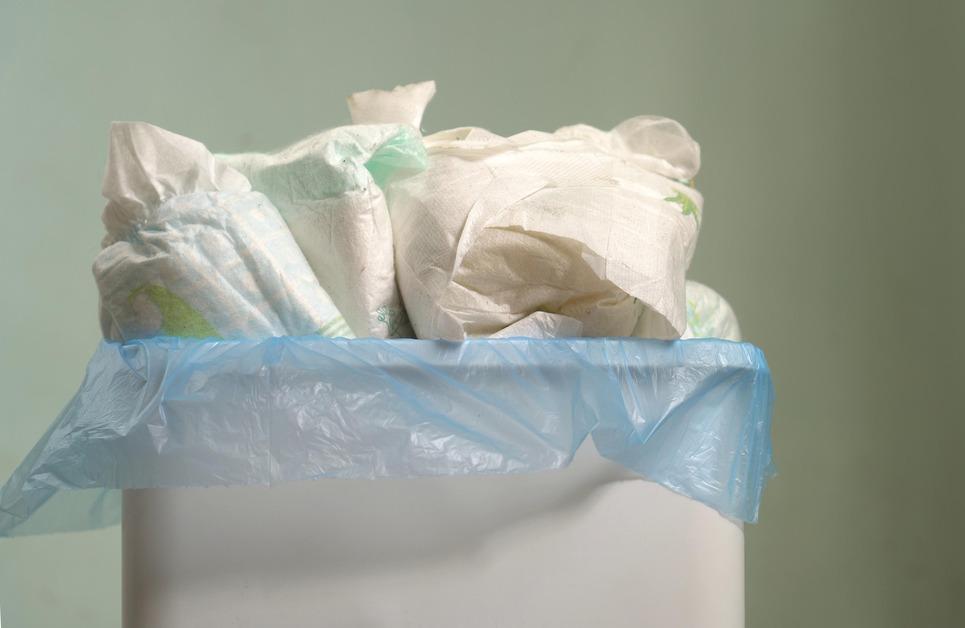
point(596, 226)
point(328, 189)
point(191, 250)
point(709, 315)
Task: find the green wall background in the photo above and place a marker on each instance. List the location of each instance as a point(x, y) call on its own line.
point(832, 136)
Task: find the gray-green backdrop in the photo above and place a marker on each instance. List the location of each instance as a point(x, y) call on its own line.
point(832, 136)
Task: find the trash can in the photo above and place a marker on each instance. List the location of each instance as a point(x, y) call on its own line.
point(588, 545)
point(508, 482)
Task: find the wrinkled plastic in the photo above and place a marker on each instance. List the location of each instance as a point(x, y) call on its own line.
point(692, 415)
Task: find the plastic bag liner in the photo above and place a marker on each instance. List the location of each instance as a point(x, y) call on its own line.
point(692, 415)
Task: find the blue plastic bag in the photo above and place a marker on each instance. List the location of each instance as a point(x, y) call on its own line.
point(692, 415)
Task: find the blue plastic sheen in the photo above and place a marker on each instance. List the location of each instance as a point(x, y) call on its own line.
point(692, 415)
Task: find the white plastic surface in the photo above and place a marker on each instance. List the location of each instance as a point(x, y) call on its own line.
point(585, 546)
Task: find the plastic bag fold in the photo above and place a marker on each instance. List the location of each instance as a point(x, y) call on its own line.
point(692, 415)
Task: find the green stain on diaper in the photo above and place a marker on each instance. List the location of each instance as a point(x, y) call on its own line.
point(687, 206)
point(177, 317)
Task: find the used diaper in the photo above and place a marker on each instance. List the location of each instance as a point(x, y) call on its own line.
point(191, 250)
point(709, 315)
point(327, 188)
point(542, 325)
point(598, 227)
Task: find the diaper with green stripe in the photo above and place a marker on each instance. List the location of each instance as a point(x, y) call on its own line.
point(192, 251)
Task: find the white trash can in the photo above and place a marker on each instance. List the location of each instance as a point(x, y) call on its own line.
point(588, 545)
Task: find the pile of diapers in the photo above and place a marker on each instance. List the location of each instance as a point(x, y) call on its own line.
point(374, 230)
